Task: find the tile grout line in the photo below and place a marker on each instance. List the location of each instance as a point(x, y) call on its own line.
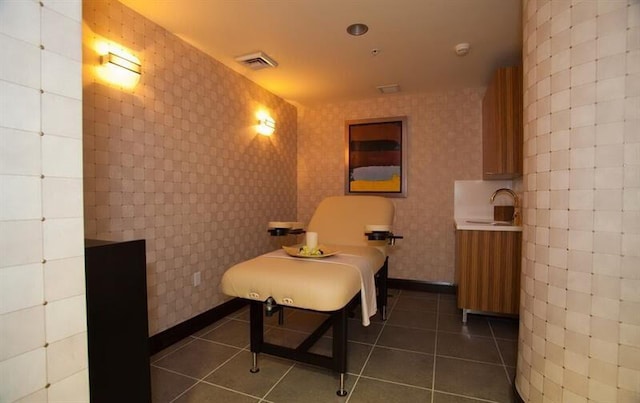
point(222, 321)
point(220, 343)
point(175, 372)
point(282, 377)
point(201, 380)
point(174, 351)
point(193, 338)
point(268, 329)
point(474, 398)
point(183, 392)
point(229, 389)
point(357, 375)
point(247, 348)
point(451, 357)
point(477, 336)
point(375, 343)
point(197, 381)
point(396, 383)
point(264, 397)
point(402, 349)
point(435, 351)
point(495, 341)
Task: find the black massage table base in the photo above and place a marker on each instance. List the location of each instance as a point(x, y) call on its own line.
point(338, 320)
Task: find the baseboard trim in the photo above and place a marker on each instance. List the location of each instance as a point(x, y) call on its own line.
point(164, 339)
point(426, 286)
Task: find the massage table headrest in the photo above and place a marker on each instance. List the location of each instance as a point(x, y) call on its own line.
point(341, 220)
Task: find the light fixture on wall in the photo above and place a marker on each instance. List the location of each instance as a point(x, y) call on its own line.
point(118, 66)
point(121, 61)
point(266, 125)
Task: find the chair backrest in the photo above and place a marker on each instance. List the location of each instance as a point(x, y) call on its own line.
point(341, 220)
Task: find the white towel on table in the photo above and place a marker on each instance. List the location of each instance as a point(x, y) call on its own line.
point(367, 280)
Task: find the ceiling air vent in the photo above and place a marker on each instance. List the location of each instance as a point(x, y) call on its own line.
point(257, 61)
point(388, 89)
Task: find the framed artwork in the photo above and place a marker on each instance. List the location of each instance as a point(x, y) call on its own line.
point(376, 156)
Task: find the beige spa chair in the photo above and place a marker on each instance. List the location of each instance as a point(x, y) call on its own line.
point(333, 285)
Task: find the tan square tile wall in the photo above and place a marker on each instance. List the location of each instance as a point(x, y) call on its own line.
point(580, 311)
point(43, 337)
point(445, 139)
point(177, 161)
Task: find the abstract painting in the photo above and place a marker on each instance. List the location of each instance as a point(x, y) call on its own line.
point(375, 156)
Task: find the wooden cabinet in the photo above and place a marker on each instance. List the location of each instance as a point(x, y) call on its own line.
point(117, 324)
point(502, 125)
point(488, 270)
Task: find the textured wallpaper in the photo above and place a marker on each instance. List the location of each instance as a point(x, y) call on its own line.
point(580, 310)
point(176, 160)
point(445, 143)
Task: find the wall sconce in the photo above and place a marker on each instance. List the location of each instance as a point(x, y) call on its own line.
point(117, 66)
point(121, 61)
point(266, 125)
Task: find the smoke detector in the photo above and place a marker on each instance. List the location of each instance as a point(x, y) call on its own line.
point(462, 49)
point(257, 61)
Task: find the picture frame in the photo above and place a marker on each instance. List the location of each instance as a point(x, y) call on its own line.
point(376, 156)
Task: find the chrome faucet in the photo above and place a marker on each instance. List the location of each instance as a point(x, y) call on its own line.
point(516, 200)
point(516, 203)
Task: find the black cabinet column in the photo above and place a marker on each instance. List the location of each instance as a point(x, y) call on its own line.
point(117, 323)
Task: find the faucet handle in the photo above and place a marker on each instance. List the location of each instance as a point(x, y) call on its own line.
point(516, 215)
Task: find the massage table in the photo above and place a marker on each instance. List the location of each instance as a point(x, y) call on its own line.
point(357, 230)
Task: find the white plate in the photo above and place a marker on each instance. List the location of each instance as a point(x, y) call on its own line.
point(295, 252)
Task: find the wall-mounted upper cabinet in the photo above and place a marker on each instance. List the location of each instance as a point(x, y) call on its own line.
point(502, 125)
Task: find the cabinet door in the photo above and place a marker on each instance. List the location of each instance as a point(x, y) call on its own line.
point(488, 270)
point(490, 147)
point(502, 125)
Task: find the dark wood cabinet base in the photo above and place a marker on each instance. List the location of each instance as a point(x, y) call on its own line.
point(488, 270)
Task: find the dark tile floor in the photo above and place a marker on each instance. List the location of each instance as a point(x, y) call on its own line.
point(422, 353)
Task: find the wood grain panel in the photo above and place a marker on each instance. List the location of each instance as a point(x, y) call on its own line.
point(502, 125)
point(488, 270)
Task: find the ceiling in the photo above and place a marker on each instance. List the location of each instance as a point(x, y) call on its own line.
point(318, 62)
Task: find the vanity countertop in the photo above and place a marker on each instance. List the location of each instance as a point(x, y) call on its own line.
point(485, 224)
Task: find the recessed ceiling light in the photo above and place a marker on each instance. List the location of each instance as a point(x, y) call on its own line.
point(388, 89)
point(357, 29)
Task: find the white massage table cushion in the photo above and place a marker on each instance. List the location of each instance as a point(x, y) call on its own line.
point(318, 284)
point(341, 220)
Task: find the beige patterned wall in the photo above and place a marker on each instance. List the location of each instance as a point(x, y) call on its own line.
point(445, 139)
point(177, 161)
point(580, 311)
